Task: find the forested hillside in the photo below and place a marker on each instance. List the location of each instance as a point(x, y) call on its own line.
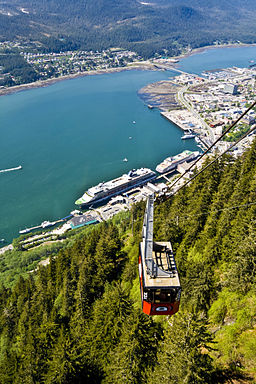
point(164, 26)
point(78, 320)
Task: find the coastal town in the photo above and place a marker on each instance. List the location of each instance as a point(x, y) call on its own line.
point(75, 62)
point(207, 105)
point(43, 66)
point(203, 107)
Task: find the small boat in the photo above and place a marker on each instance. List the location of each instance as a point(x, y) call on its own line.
point(75, 212)
point(46, 224)
point(188, 136)
point(27, 230)
point(130, 137)
point(125, 160)
point(134, 122)
point(2, 240)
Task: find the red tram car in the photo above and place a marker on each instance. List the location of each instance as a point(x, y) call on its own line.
point(159, 280)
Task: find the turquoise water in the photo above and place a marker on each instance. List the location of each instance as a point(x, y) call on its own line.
point(218, 58)
point(74, 134)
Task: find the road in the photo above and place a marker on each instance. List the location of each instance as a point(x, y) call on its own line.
point(181, 99)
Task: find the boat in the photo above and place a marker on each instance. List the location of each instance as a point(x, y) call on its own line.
point(130, 137)
point(2, 240)
point(125, 159)
point(171, 163)
point(46, 224)
point(188, 136)
point(106, 190)
point(75, 212)
point(134, 122)
point(27, 230)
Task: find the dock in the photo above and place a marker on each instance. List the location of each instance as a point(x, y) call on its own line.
point(202, 144)
point(164, 175)
point(172, 118)
point(27, 230)
point(166, 178)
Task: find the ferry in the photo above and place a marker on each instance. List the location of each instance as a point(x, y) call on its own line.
point(171, 163)
point(106, 190)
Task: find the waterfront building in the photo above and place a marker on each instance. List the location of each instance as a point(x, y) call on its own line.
point(230, 88)
point(80, 221)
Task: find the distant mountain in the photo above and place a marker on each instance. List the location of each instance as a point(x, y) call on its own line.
point(145, 26)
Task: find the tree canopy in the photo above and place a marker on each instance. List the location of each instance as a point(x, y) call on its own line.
point(79, 320)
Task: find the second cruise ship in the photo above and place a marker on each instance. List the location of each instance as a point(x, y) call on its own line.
point(104, 191)
point(172, 162)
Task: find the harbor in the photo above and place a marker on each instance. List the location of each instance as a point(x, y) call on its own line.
point(53, 180)
point(49, 176)
point(104, 209)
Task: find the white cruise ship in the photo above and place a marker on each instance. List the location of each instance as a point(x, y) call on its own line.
point(104, 191)
point(172, 162)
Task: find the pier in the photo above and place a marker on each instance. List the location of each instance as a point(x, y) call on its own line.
point(51, 224)
point(170, 117)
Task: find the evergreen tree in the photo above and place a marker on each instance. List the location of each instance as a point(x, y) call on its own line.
point(183, 357)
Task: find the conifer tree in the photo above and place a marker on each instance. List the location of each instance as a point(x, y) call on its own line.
point(183, 357)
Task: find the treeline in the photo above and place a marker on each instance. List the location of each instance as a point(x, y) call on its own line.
point(79, 320)
point(16, 69)
point(164, 27)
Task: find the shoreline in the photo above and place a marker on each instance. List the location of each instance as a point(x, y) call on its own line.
point(145, 65)
point(45, 83)
point(196, 51)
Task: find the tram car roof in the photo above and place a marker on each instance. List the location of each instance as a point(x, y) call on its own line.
point(158, 266)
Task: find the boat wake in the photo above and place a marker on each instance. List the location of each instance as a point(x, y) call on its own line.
point(11, 169)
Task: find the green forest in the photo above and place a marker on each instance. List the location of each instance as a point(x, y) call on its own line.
point(163, 26)
point(79, 319)
point(13, 64)
point(149, 28)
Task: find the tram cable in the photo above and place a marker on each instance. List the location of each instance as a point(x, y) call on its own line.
point(210, 148)
point(187, 217)
point(214, 160)
point(159, 280)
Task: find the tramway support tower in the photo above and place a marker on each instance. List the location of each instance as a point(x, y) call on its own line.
point(159, 280)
